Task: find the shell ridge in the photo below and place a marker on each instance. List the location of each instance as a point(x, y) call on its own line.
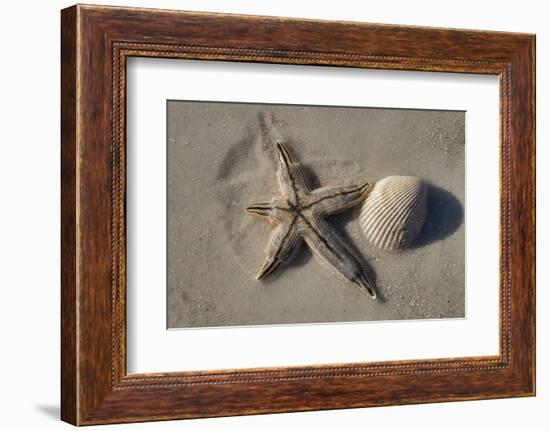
point(394, 202)
point(394, 212)
point(397, 219)
point(377, 207)
point(405, 220)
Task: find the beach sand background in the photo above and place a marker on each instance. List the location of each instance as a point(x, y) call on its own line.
point(221, 159)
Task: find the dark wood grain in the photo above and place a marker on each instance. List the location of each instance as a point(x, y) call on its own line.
point(96, 41)
point(68, 218)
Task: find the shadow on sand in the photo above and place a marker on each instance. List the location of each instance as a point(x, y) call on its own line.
point(445, 215)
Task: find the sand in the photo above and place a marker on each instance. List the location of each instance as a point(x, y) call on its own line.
point(221, 159)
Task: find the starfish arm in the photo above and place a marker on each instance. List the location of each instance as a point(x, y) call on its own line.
point(332, 200)
point(281, 247)
point(327, 244)
point(293, 180)
point(261, 209)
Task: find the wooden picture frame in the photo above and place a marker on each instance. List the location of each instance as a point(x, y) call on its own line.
point(95, 43)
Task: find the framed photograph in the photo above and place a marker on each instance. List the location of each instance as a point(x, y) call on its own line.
point(264, 214)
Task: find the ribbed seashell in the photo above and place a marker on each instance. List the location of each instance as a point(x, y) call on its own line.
point(394, 212)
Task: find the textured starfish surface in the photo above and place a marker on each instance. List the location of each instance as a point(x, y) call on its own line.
point(299, 214)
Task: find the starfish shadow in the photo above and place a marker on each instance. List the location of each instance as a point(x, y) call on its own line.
point(445, 215)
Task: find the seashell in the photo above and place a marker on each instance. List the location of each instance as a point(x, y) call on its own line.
point(394, 212)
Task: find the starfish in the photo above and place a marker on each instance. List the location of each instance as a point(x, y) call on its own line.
point(299, 214)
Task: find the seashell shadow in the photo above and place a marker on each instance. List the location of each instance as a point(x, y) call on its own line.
point(444, 216)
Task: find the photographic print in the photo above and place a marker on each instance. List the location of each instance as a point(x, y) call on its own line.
point(285, 214)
